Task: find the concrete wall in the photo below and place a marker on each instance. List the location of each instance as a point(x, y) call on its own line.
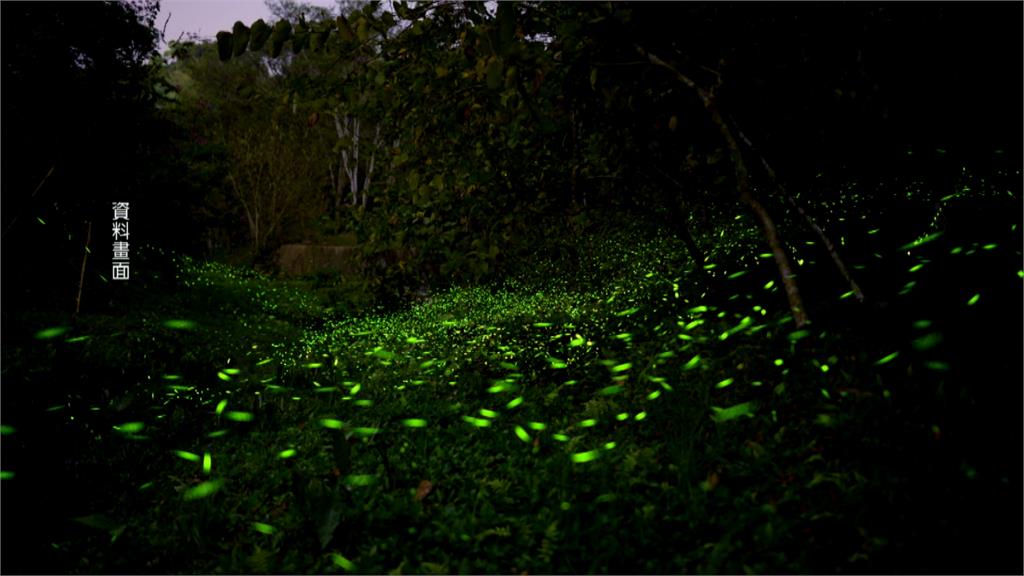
point(302, 259)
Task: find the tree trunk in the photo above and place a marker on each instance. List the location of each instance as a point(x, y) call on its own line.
point(743, 187)
point(840, 265)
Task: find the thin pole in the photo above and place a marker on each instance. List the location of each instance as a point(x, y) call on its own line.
point(81, 276)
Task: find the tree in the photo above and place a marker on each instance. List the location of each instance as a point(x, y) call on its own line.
point(79, 131)
point(271, 180)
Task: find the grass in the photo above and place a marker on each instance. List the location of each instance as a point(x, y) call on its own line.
point(602, 414)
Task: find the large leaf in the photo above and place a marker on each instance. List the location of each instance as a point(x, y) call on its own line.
point(240, 39)
point(281, 34)
point(224, 45)
point(258, 35)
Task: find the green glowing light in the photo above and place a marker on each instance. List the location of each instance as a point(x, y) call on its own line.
point(288, 453)
point(221, 406)
point(130, 427)
point(920, 241)
point(263, 528)
point(207, 463)
point(6, 430)
point(51, 333)
point(342, 562)
point(178, 324)
point(798, 335)
point(692, 363)
point(928, 341)
point(231, 371)
point(724, 383)
point(186, 455)
point(725, 414)
point(538, 426)
point(6, 475)
point(640, 416)
point(887, 359)
point(610, 390)
point(521, 433)
point(586, 456)
point(653, 395)
point(974, 300)
point(560, 437)
point(622, 416)
point(364, 432)
point(769, 285)
point(332, 423)
point(223, 376)
point(360, 479)
point(514, 402)
point(609, 445)
point(312, 365)
point(488, 413)
point(239, 416)
point(556, 363)
point(414, 423)
point(588, 423)
point(478, 422)
point(203, 490)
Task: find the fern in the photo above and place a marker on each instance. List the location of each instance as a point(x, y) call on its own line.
point(549, 543)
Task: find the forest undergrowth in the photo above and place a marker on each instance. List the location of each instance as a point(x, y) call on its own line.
point(612, 410)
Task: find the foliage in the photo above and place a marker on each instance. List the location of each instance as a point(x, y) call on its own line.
point(586, 416)
point(567, 350)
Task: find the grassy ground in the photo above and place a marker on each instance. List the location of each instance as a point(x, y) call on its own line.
point(606, 413)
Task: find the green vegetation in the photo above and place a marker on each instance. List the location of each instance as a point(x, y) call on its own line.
point(595, 288)
point(583, 421)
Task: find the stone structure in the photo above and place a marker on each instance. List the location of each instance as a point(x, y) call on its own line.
point(302, 259)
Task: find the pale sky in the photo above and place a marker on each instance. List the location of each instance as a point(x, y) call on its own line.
point(207, 17)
